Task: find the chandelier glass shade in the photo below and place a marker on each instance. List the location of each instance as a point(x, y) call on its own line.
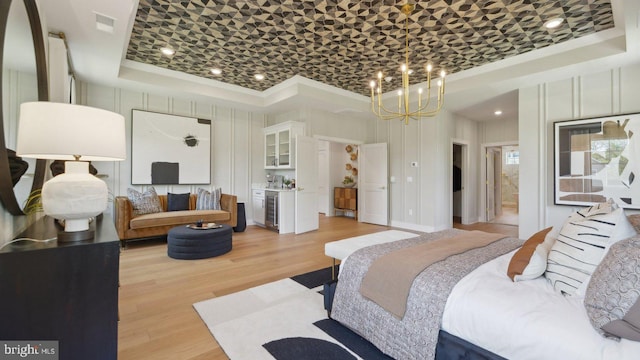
point(424, 107)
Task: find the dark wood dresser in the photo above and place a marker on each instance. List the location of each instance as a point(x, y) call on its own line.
point(66, 292)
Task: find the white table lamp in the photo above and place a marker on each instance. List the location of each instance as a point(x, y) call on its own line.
point(78, 134)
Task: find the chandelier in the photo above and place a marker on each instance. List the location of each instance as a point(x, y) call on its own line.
point(425, 108)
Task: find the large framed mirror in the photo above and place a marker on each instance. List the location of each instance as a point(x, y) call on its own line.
point(23, 78)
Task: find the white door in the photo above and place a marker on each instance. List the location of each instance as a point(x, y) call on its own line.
point(497, 178)
point(490, 183)
point(373, 189)
point(323, 177)
point(306, 184)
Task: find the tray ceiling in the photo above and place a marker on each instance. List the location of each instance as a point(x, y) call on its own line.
point(345, 43)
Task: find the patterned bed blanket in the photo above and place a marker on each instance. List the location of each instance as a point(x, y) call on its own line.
point(416, 334)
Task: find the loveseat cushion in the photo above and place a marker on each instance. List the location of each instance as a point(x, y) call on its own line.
point(178, 218)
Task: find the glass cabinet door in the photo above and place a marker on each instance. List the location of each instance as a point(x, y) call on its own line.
point(284, 142)
point(270, 150)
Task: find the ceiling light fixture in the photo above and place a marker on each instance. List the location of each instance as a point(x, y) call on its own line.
point(553, 23)
point(498, 112)
point(216, 71)
point(167, 51)
point(259, 77)
point(404, 111)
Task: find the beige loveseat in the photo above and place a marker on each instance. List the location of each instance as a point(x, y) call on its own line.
point(158, 224)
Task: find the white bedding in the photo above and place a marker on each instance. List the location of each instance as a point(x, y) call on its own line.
point(525, 320)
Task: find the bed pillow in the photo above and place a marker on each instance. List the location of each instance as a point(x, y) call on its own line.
point(530, 261)
point(177, 202)
point(582, 243)
point(144, 203)
point(612, 298)
point(208, 200)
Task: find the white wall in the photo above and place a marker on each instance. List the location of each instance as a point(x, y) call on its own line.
point(498, 131)
point(420, 197)
point(328, 124)
point(237, 136)
point(608, 92)
point(237, 139)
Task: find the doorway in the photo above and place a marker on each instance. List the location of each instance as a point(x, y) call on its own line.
point(460, 206)
point(335, 163)
point(457, 184)
point(502, 179)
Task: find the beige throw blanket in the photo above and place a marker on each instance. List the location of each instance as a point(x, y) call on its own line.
point(389, 279)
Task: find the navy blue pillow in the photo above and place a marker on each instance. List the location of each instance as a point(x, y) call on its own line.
point(177, 202)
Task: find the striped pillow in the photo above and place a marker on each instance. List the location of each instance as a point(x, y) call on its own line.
point(583, 241)
point(208, 200)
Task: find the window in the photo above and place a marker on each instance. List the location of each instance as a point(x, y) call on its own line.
point(513, 157)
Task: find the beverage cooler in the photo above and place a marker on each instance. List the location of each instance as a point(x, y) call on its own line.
point(271, 210)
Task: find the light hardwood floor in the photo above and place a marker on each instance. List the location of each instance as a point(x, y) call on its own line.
point(157, 320)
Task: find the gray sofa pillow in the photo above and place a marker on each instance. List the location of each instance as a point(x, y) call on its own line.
point(612, 299)
point(144, 203)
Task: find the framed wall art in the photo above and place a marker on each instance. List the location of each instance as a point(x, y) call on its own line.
point(597, 159)
point(169, 149)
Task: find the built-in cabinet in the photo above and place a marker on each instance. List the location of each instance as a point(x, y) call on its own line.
point(258, 204)
point(274, 209)
point(279, 144)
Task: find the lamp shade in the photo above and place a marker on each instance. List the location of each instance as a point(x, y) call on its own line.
point(49, 130)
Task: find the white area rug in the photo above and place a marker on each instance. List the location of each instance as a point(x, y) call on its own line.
point(285, 320)
point(242, 322)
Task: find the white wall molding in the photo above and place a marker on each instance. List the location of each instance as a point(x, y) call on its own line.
point(410, 226)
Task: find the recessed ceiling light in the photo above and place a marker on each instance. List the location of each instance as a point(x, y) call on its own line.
point(498, 112)
point(259, 77)
point(553, 23)
point(167, 51)
point(216, 71)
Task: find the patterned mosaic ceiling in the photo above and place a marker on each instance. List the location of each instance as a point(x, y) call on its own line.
point(345, 43)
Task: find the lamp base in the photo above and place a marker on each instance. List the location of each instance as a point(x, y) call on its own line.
point(67, 236)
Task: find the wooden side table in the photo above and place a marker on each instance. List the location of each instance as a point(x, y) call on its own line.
point(346, 199)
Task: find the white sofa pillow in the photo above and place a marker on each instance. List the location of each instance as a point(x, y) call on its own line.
point(526, 264)
point(583, 241)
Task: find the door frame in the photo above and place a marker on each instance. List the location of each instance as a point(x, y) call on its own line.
point(332, 140)
point(465, 181)
point(483, 174)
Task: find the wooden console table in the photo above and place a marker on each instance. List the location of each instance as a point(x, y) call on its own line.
point(346, 199)
point(62, 291)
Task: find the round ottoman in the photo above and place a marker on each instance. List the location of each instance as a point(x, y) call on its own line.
point(188, 244)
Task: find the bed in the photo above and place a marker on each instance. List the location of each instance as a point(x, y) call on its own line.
point(468, 299)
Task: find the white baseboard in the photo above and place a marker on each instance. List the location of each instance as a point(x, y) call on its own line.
point(409, 226)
